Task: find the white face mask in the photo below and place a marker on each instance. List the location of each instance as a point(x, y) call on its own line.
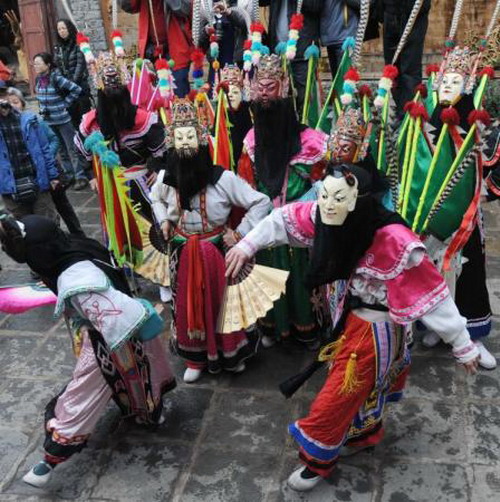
point(234, 96)
point(451, 88)
point(336, 200)
point(186, 139)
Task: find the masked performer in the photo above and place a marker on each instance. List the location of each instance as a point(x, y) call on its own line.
point(134, 133)
point(392, 282)
point(192, 200)
point(450, 124)
point(280, 154)
point(238, 111)
point(116, 338)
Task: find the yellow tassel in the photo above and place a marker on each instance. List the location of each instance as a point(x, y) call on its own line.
point(329, 352)
point(351, 381)
point(77, 343)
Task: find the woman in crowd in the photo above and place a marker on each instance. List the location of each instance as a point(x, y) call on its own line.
point(59, 197)
point(71, 63)
point(55, 95)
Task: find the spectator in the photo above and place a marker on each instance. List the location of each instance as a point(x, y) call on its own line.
point(280, 12)
point(71, 63)
point(165, 29)
point(55, 95)
point(231, 23)
point(27, 168)
point(339, 20)
point(59, 197)
point(409, 63)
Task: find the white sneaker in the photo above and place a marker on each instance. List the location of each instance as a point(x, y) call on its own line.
point(240, 368)
point(268, 341)
point(299, 484)
point(191, 375)
point(430, 339)
point(486, 358)
point(39, 475)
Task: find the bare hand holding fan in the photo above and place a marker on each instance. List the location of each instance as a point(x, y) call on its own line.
point(250, 294)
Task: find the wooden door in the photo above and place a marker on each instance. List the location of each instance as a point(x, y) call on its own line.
point(37, 20)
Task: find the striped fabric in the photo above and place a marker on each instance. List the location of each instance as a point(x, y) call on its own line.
point(50, 94)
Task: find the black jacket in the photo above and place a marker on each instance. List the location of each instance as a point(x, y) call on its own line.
point(71, 63)
point(309, 33)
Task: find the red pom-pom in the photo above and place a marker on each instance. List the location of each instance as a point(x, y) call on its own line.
point(422, 89)
point(479, 116)
point(409, 106)
point(297, 22)
point(487, 70)
point(192, 95)
point(390, 71)
point(223, 86)
point(365, 90)
point(431, 68)
point(197, 57)
point(161, 64)
point(116, 34)
point(247, 44)
point(257, 27)
point(418, 110)
point(81, 38)
point(352, 74)
point(450, 116)
point(211, 30)
point(213, 37)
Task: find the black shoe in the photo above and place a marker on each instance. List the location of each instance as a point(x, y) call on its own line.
point(81, 184)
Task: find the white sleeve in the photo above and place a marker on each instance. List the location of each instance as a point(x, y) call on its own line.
point(270, 232)
point(158, 197)
point(241, 194)
point(451, 327)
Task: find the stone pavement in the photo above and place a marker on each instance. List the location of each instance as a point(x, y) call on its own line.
point(225, 437)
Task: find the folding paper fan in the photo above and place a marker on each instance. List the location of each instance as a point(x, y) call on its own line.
point(20, 298)
point(250, 296)
point(155, 263)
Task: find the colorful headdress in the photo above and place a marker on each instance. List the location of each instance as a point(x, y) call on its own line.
point(350, 126)
point(184, 114)
point(270, 67)
point(232, 75)
point(111, 71)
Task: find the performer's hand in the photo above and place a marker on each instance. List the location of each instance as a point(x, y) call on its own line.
point(151, 178)
point(166, 229)
point(229, 238)
point(93, 184)
point(54, 184)
point(471, 366)
point(235, 259)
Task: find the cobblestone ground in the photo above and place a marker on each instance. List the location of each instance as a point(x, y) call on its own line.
point(225, 437)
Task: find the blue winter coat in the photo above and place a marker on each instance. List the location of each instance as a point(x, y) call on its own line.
point(39, 149)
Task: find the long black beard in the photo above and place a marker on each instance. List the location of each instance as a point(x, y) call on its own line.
point(115, 112)
point(189, 172)
point(277, 140)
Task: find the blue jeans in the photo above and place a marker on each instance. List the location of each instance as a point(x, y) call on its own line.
point(72, 166)
point(182, 82)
